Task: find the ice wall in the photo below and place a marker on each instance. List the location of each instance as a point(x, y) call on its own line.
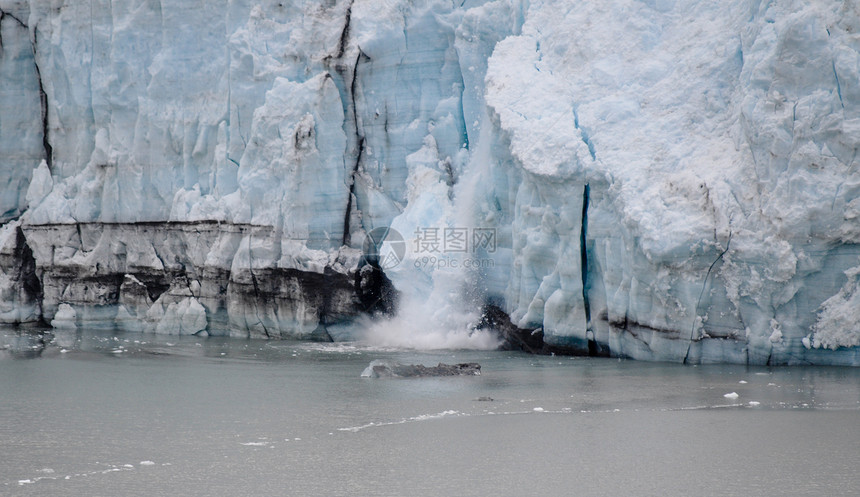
point(667, 180)
point(21, 109)
point(718, 144)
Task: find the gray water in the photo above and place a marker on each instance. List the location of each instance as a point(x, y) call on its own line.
point(88, 413)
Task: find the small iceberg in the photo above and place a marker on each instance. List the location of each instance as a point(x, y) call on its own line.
point(389, 369)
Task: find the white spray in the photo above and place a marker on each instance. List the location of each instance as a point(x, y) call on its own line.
point(440, 305)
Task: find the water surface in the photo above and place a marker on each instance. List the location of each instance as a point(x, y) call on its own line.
point(90, 413)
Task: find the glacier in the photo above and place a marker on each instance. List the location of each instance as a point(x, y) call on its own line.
point(664, 180)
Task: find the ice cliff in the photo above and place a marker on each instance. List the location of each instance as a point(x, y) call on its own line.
point(664, 180)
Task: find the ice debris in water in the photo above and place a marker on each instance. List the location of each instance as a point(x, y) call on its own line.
point(390, 369)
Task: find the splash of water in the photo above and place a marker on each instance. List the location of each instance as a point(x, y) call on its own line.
point(440, 305)
point(431, 324)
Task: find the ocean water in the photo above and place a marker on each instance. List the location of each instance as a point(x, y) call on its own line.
point(90, 413)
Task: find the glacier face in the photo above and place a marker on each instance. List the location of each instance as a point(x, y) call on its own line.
point(718, 146)
point(666, 180)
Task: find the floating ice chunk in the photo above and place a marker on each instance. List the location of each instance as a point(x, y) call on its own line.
point(147, 463)
point(388, 369)
point(65, 317)
point(754, 403)
point(731, 395)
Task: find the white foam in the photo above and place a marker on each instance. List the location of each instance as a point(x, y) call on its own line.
point(414, 419)
point(420, 326)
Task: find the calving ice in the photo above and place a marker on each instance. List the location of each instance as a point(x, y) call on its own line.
point(664, 180)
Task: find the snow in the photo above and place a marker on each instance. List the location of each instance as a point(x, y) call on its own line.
point(666, 180)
